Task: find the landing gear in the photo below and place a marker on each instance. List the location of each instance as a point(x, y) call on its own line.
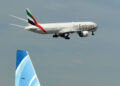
point(55, 36)
point(93, 33)
point(66, 36)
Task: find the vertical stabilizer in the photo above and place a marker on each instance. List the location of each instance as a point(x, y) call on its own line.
point(25, 73)
point(30, 17)
point(32, 21)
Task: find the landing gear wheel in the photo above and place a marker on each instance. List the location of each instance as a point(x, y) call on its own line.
point(55, 36)
point(93, 33)
point(67, 37)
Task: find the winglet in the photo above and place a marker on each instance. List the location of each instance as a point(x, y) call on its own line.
point(25, 73)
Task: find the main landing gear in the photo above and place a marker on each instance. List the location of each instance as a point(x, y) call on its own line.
point(65, 35)
point(55, 36)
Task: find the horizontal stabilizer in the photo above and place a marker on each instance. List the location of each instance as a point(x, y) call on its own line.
point(20, 26)
point(19, 18)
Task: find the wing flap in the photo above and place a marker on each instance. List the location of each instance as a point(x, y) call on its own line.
point(67, 30)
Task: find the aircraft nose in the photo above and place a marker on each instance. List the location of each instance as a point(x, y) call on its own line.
point(95, 26)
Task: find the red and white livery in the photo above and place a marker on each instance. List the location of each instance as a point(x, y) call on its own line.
point(58, 29)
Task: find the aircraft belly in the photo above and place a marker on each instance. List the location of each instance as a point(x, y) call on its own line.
point(51, 30)
point(36, 31)
point(48, 31)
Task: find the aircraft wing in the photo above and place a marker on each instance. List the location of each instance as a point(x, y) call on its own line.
point(67, 30)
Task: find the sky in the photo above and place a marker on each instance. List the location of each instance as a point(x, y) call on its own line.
point(90, 61)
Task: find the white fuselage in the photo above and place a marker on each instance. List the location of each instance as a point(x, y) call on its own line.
point(57, 28)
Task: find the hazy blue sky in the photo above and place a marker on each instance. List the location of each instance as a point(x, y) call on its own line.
point(91, 61)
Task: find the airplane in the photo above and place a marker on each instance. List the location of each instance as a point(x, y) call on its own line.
point(25, 74)
point(57, 29)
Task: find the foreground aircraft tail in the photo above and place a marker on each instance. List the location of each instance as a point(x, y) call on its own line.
point(25, 73)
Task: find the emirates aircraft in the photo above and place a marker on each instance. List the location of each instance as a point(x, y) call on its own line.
point(57, 29)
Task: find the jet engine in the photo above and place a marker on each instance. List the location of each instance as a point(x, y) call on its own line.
point(83, 33)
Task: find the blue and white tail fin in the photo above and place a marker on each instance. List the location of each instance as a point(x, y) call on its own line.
point(25, 73)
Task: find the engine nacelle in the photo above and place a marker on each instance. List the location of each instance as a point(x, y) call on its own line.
point(83, 33)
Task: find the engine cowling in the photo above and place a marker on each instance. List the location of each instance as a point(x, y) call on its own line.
point(83, 33)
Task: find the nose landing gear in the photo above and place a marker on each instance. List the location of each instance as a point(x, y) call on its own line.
point(93, 33)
